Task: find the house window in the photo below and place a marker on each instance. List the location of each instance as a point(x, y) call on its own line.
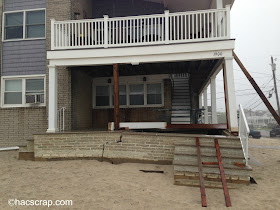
point(34, 91)
point(13, 92)
point(122, 95)
point(23, 92)
point(102, 96)
point(24, 25)
point(154, 94)
point(35, 24)
point(14, 26)
point(136, 94)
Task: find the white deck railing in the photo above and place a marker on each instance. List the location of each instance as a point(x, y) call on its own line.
point(183, 27)
point(244, 133)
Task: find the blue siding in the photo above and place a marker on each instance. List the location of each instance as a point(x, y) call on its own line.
point(24, 57)
point(11, 5)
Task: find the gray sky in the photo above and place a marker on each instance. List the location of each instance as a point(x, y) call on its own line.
point(255, 24)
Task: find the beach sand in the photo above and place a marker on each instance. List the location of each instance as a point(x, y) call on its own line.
point(100, 185)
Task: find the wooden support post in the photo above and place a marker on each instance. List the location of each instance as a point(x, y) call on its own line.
point(201, 179)
point(222, 172)
point(225, 89)
point(116, 97)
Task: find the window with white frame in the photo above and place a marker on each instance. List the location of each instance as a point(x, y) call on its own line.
point(23, 91)
point(122, 95)
point(24, 25)
point(130, 95)
point(102, 96)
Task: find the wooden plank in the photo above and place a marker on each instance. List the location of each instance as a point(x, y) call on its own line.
point(257, 88)
point(116, 97)
point(202, 186)
point(210, 163)
point(197, 126)
point(222, 172)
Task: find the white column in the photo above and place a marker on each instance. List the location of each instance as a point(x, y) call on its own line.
point(214, 101)
point(52, 119)
point(200, 101)
point(230, 95)
point(206, 121)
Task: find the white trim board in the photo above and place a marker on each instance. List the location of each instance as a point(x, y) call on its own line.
point(145, 54)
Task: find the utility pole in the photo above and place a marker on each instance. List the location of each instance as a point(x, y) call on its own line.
point(273, 66)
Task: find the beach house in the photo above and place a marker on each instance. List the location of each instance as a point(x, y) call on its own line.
point(72, 69)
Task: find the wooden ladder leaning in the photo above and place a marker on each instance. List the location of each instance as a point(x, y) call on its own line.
point(222, 173)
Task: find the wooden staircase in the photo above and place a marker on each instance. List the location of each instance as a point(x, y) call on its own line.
point(181, 101)
point(186, 162)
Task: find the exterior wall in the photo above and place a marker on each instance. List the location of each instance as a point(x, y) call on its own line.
point(11, 5)
point(24, 57)
point(21, 58)
point(60, 10)
point(18, 125)
point(81, 100)
point(101, 117)
point(148, 147)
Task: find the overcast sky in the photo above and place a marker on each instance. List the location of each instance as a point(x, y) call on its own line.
point(255, 24)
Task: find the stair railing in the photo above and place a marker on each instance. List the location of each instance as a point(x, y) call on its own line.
point(244, 133)
point(61, 119)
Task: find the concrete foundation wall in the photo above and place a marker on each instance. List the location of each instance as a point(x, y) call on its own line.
point(19, 124)
point(148, 147)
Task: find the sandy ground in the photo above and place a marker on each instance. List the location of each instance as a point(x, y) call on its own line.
point(95, 185)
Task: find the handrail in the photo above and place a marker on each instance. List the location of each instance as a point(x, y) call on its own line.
point(61, 119)
point(167, 28)
point(244, 133)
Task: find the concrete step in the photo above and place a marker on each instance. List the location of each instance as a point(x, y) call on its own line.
point(209, 142)
point(207, 184)
point(209, 151)
point(192, 159)
point(26, 156)
point(195, 164)
point(212, 170)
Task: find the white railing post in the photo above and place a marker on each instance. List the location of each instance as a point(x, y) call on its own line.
point(244, 133)
point(228, 21)
point(52, 34)
point(166, 13)
point(106, 31)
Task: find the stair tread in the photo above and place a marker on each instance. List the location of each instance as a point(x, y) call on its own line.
point(226, 166)
point(212, 146)
point(208, 155)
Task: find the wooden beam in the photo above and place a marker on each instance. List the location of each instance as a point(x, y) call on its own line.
point(222, 172)
point(201, 179)
point(257, 88)
point(225, 89)
point(116, 97)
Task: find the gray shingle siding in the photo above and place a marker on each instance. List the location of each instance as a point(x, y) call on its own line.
point(11, 5)
point(24, 58)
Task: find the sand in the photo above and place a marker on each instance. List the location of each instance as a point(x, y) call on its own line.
point(95, 185)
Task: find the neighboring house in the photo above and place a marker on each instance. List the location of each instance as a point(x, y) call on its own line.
point(60, 54)
point(258, 119)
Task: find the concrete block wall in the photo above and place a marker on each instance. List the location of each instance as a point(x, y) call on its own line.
point(19, 124)
point(142, 147)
